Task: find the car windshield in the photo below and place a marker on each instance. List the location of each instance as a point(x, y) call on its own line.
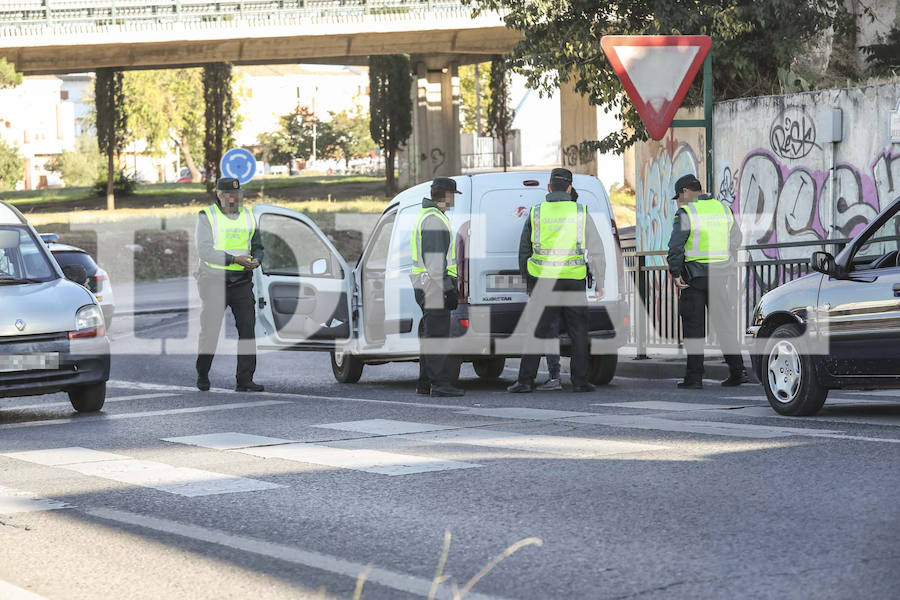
point(21, 259)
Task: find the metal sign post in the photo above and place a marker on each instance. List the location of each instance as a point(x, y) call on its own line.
point(705, 122)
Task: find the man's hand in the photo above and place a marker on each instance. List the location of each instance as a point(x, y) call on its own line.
point(680, 283)
point(248, 262)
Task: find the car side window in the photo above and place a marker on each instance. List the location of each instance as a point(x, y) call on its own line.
point(400, 255)
point(880, 247)
point(293, 248)
point(377, 254)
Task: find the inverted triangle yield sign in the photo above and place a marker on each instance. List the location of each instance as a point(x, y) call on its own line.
point(656, 71)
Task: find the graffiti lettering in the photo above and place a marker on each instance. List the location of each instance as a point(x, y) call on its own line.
point(438, 158)
point(726, 188)
point(793, 133)
point(655, 188)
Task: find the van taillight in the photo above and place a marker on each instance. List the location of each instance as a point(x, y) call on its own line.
point(462, 262)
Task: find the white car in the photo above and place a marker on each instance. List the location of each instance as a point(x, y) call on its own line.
point(97, 280)
point(309, 298)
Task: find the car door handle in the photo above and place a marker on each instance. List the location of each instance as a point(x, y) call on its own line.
point(896, 289)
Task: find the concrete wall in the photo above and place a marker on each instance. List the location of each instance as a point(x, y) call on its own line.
point(774, 166)
point(579, 121)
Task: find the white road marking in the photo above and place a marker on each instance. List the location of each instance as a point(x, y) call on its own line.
point(384, 427)
point(182, 481)
point(513, 412)
point(366, 460)
point(402, 582)
point(17, 501)
point(767, 412)
point(139, 415)
point(545, 444)
point(10, 592)
point(108, 400)
point(667, 406)
point(704, 427)
point(228, 440)
point(369, 461)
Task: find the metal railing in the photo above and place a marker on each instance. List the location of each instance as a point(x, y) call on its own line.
point(35, 17)
point(653, 299)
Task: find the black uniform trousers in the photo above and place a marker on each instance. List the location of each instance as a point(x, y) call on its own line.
point(575, 319)
point(433, 367)
point(216, 293)
point(692, 305)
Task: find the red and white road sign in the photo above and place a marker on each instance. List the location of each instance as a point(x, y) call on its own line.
point(656, 71)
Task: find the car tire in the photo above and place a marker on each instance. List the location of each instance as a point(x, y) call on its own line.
point(489, 368)
point(602, 368)
point(789, 374)
point(346, 367)
point(88, 398)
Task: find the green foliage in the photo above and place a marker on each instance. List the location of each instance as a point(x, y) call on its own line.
point(9, 77)
point(350, 134)
point(751, 41)
point(82, 166)
point(474, 96)
point(124, 184)
point(883, 58)
point(390, 108)
point(163, 110)
point(500, 113)
point(12, 165)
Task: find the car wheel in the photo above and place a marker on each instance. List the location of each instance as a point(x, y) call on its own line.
point(602, 368)
point(88, 398)
point(789, 374)
point(346, 367)
point(489, 368)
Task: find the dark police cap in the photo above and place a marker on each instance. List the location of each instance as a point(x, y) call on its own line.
point(687, 182)
point(444, 184)
point(561, 174)
point(228, 184)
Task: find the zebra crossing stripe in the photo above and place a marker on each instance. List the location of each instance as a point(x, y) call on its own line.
point(182, 481)
point(366, 460)
point(9, 591)
point(14, 501)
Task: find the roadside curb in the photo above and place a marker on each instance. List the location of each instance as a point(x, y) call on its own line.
point(672, 367)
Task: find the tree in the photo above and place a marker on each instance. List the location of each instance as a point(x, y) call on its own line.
point(350, 132)
point(390, 107)
point(111, 122)
point(162, 109)
point(751, 41)
point(82, 166)
point(474, 96)
point(8, 75)
point(12, 166)
point(274, 149)
point(883, 57)
point(220, 118)
point(500, 114)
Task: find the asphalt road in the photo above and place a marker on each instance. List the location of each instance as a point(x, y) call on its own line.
point(638, 490)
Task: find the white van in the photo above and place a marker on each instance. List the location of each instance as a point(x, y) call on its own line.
point(309, 298)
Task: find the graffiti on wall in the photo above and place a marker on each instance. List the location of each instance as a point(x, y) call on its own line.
point(776, 203)
point(653, 196)
point(573, 155)
point(792, 134)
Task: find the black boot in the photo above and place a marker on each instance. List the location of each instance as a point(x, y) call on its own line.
point(203, 382)
point(249, 386)
point(736, 378)
point(690, 384)
point(446, 391)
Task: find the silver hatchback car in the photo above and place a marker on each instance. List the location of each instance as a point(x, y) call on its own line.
point(52, 334)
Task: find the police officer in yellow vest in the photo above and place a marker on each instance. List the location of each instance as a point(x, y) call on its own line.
point(229, 247)
point(558, 240)
point(433, 250)
point(703, 242)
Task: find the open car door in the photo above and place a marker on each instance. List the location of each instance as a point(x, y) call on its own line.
point(303, 286)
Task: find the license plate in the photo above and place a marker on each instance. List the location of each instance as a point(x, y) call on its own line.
point(29, 362)
point(501, 282)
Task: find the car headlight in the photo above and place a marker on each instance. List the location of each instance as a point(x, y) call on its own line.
point(88, 322)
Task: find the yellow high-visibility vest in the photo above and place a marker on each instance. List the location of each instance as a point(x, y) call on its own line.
point(557, 241)
point(416, 241)
point(710, 222)
point(230, 235)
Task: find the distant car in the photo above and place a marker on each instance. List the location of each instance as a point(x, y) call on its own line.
point(185, 175)
point(837, 328)
point(97, 280)
point(52, 335)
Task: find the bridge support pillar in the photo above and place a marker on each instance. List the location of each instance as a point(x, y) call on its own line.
point(578, 122)
point(433, 149)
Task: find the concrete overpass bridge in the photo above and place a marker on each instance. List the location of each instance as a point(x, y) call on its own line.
point(43, 37)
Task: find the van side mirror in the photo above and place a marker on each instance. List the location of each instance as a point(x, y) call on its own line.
point(823, 262)
point(319, 267)
point(75, 273)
